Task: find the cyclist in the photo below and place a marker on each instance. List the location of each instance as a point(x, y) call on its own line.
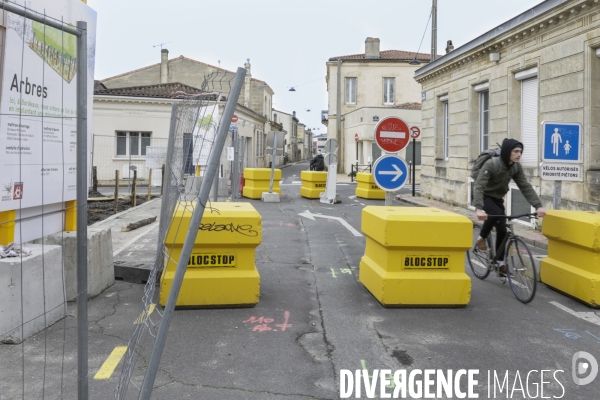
point(317, 163)
point(491, 187)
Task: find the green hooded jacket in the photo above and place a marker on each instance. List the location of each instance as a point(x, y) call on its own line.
point(495, 185)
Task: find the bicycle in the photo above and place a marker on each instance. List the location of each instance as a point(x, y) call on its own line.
point(520, 267)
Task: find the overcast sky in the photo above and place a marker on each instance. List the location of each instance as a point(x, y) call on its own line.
point(287, 41)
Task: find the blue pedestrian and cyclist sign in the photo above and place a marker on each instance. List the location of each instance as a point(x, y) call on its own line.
point(561, 142)
point(390, 172)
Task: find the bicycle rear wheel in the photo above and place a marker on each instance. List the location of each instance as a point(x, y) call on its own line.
point(479, 261)
point(521, 270)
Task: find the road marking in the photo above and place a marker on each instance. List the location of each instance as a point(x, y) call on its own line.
point(586, 316)
point(145, 314)
point(135, 239)
point(309, 215)
point(296, 182)
point(479, 263)
point(351, 197)
point(111, 363)
point(362, 204)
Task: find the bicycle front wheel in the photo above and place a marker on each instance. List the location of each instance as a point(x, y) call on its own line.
point(521, 270)
point(479, 260)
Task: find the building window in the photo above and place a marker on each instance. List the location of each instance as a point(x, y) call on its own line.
point(260, 144)
point(529, 122)
point(375, 151)
point(388, 90)
point(350, 91)
point(409, 153)
point(446, 129)
point(132, 143)
point(484, 120)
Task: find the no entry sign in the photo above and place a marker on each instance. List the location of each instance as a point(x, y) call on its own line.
point(392, 134)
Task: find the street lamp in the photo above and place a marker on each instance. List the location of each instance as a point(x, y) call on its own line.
point(414, 61)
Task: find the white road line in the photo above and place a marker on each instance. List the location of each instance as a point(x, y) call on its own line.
point(478, 263)
point(154, 225)
point(586, 316)
point(351, 197)
point(309, 215)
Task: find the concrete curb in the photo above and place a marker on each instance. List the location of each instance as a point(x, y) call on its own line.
point(118, 215)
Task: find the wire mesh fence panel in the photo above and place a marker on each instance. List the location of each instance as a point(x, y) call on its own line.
point(46, 62)
point(127, 152)
point(195, 122)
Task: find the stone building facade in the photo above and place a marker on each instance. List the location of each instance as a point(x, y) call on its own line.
point(372, 86)
point(542, 65)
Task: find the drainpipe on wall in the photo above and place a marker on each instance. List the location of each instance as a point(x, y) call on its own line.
point(338, 118)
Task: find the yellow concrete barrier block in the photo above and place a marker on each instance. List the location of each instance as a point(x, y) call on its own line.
point(258, 181)
point(221, 270)
point(71, 215)
point(573, 262)
point(7, 227)
point(415, 257)
point(313, 184)
point(366, 187)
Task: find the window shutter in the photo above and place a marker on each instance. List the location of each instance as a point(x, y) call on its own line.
point(529, 122)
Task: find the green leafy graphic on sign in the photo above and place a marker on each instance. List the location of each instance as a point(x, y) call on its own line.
point(58, 49)
point(206, 122)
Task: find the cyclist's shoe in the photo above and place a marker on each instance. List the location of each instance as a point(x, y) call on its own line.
point(503, 271)
point(481, 245)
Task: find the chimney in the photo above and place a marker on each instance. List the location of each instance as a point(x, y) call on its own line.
point(372, 48)
point(449, 46)
point(164, 66)
point(294, 114)
point(247, 83)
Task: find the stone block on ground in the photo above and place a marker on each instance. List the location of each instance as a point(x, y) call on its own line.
point(32, 296)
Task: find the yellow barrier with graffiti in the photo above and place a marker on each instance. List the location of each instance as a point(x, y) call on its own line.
point(366, 187)
point(221, 270)
point(313, 184)
point(573, 262)
point(258, 181)
point(416, 256)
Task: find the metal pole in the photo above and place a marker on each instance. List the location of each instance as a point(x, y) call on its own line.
point(186, 251)
point(414, 165)
point(557, 196)
point(434, 31)
point(215, 188)
point(82, 165)
point(35, 16)
point(164, 205)
point(389, 198)
point(338, 112)
point(273, 161)
point(234, 174)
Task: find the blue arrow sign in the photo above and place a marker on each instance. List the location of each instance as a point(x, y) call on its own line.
point(561, 142)
point(390, 172)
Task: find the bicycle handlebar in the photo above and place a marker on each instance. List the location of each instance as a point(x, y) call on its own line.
point(509, 217)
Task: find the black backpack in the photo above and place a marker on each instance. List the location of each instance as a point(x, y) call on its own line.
point(485, 155)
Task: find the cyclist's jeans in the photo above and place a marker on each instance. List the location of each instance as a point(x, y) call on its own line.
point(495, 207)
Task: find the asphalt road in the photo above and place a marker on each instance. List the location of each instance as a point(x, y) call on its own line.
point(318, 320)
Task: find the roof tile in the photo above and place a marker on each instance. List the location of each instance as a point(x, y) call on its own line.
point(396, 55)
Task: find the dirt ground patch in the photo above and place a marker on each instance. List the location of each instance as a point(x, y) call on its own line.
point(100, 210)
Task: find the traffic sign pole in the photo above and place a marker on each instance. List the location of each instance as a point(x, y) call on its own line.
point(415, 132)
point(413, 166)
